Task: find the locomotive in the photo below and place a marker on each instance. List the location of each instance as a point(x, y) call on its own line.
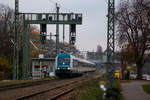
point(69, 65)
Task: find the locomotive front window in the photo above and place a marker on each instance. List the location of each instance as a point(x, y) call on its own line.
point(60, 60)
point(67, 59)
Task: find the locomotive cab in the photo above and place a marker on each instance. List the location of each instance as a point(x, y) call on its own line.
point(68, 65)
point(63, 64)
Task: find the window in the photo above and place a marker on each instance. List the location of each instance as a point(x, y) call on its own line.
point(67, 60)
point(36, 68)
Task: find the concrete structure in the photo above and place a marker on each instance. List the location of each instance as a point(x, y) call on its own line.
point(43, 67)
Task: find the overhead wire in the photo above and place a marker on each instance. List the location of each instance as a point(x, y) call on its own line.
point(21, 5)
point(106, 1)
point(51, 1)
point(60, 5)
point(66, 9)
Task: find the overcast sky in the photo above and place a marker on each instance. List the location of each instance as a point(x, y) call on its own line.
point(91, 33)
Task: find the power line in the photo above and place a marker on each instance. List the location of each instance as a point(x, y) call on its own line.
point(66, 9)
point(60, 6)
point(54, 5)
point(52, 2)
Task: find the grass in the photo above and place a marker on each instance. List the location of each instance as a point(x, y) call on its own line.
point(146, 88)
point(11, 82)
point(89, 90)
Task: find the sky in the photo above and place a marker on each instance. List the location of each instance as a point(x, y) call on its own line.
point(93, 30)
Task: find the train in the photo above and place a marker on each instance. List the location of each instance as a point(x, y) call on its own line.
point(68, 65)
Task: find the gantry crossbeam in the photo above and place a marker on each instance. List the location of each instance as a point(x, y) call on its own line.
point(51, 18)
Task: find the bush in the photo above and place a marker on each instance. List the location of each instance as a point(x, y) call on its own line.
point(5, 68)
point(146, 88)
point(114, 93)
point(89, 90)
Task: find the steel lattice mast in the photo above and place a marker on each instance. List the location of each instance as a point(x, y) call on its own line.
point(110, 43)
point(16, 42)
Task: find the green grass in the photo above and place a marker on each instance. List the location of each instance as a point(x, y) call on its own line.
point(89, 90)
point(146, 88)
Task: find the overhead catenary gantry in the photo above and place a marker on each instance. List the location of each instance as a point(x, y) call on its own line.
point(40, 18)
point(49, 18)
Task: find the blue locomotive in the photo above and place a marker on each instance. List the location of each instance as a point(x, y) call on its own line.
point(68, 65)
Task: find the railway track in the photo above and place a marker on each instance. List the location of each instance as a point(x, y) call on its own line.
point(54, 92)
point(38, 91)
point(23, 85)
point(45, 90)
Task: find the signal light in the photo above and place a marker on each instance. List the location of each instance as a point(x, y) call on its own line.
point(43, 27)
point(73, 28)
point(43, 30)
point(72, 38)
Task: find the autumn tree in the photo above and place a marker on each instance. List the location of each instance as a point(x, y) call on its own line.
point(133, 28)
point(35, 43)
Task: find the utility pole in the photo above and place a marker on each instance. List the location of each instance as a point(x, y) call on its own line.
point(57, 30)
point(26, 57)
point(63, 31)
point(110, 43)
point(16, 42)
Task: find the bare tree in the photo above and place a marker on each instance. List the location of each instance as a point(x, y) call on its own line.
point(6, 31)
point(133, 29)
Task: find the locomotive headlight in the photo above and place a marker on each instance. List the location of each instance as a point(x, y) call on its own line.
point(69, 68)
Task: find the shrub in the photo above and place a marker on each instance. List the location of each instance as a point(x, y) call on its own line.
point(114, 93)
point(5, 68)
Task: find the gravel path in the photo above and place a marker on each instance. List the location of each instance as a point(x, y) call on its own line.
point(133, 90)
